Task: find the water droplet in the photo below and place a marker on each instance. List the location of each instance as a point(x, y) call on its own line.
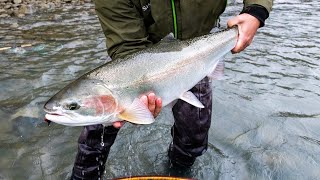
point(102, 134)
point(82, 173)
point(97, 159)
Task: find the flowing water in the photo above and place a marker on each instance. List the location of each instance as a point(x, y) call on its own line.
point(266, 112)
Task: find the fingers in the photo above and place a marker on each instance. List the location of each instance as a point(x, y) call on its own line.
point(118, 124)
point(153, 103)
point(235, 21)
point(158, 107)
point(144, 99)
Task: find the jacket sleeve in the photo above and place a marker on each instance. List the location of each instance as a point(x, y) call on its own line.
point(123, 27)
point(264, 3)
point(258, 8)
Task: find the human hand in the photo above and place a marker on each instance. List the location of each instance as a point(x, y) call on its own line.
point(247, 27)
point(153, 102)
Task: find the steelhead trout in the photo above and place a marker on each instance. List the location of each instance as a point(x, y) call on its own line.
point(110, 92)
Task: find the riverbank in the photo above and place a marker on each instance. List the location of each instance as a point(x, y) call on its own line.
point(21, 8)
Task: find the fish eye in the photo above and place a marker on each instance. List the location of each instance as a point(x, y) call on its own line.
point(71, 106)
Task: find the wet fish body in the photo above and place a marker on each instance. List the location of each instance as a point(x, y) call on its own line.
point(169, 69)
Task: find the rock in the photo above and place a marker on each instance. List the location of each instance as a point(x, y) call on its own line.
point(75, 3)
point(56, 17)
point(16, 5)
point(30, 9)
point(10, 12)
point(4, 15)
point(14, 25)
point(23, 9)
point(21, 15)
point(51, 5)
point(15, 12)
point(17, 1)
point(92, 11)
point(44, 6)
point(8, 6)
point(58, 4)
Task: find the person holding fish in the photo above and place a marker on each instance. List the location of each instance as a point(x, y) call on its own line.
point(131, 26)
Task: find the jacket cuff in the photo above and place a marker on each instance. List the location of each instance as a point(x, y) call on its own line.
point(258, 12)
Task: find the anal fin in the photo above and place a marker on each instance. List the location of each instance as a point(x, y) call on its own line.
point(190, 98)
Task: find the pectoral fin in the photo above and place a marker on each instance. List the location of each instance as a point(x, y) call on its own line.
point(218, 71)
point(190, 98)
point(137, 113)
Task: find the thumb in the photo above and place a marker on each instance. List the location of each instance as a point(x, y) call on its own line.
point(240, 45)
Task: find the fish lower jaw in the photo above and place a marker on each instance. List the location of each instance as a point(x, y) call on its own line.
point(79, 121)
point(57, 118)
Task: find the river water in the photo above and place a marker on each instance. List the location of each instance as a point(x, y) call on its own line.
point(266, 112)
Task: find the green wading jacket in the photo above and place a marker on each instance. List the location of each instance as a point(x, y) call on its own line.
point(132, 25)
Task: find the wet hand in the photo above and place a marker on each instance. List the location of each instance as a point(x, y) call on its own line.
point(153, 102)
point(247, 26)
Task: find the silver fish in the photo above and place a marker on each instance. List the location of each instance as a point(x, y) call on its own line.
point(110, 92)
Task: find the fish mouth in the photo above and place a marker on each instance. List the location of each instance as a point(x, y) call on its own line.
point(52, 114)
point(47, 119)
point(57, 118)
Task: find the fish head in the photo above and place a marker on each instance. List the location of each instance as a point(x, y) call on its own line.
point(82, 103)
